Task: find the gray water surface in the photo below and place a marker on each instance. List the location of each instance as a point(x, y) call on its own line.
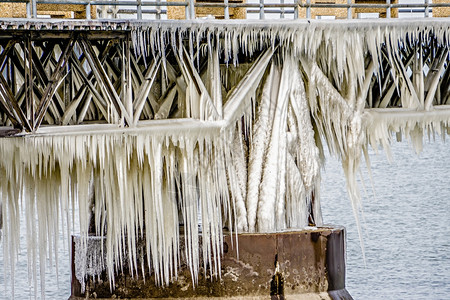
point(406, 230)
point(407, 224)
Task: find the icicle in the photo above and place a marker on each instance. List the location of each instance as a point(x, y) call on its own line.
point(237, 173)
point(261, 135)
point(308, 153)
point(270, 180)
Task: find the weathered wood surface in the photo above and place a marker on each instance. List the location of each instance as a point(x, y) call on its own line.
point(78, 72)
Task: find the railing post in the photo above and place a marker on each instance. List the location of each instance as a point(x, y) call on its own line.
point(115, 10)
point(308, 9)
point(226, 10)
point(139, 10)
point(427, 13)
point(296, 10)
point(349, 9)
point(158, 10)
point(282, 10)
point(191, 10)
point(33, 9)
point(88, 11)
point(261, 9)
point(388, 9)
point(28, 8)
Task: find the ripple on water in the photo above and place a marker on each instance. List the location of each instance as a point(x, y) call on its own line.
point(407, 224)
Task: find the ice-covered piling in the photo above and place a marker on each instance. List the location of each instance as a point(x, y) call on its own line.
point(299, 264)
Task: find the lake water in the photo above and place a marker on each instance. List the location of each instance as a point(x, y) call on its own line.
point(406, 230)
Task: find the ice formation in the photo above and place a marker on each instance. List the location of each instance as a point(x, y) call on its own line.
point(248, 160)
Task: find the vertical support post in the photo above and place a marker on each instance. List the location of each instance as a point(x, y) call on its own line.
point(88, 11)
point(158, 10)
point(421, 79)
point(139, 10)
point(28, 60)
point(114, 11)
point(388, 9)
point(296, 10)
point(416, 76)
point(33, 9)
point(191, 9)
point(261, 9)
point(308, 9)
point(226, 10)
point(126, 79)
point(427, 13)
point(282, 10)
point(28, 8)
point(349, 9)
point(186, 10)
point(68, 87)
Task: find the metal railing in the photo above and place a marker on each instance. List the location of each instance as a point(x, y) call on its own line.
point(116, 9)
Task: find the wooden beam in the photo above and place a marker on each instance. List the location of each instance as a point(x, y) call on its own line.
point(87, 98)
point(107, 88)
point(214, 84)
point(434, 79)
point(5, 107)
point(141, 98)
point(14, 108)
point(71, 108)
point(136, 69)
point(191, 75)
point(39, 92)
point(98, 99)
point(402, 71)
point(43, 79)
point(233, 107)
point(5, 52)
point(445, 85)
point(166, 102)
point(28, 62)
point(365, 87)
point(387, 96)
point(126, 77)
point(53, 84)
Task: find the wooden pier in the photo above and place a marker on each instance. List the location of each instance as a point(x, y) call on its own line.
point(58, 73)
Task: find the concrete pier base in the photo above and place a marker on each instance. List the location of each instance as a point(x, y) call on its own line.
point(306, 264)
